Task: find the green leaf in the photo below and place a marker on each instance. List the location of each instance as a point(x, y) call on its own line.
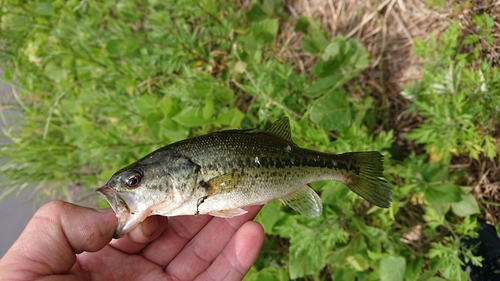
point(264, 31)
point(145, 104)
point(331, 111)
point(434, 172)
point(55, 73)
point(358, 262)
point(467, 206)
point(302, 24)
point(231, 118)
point(392, 268)
point(344, 273)
point(266, 274)
point(256, 13)
point(154, 121)
point(191, 117)
point(269, 215)
point(427, 275)
point(208, 109)
point(321, 85)
point(356, 244)
point(44, 9)
point(210, 6)
point(471, 39)
point(305, 257)
point(315, 42)
point(443, 194)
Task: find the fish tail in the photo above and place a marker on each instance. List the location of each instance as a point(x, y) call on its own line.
point(365, 178)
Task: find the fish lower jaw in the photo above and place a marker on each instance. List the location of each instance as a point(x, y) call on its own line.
point(128, 221)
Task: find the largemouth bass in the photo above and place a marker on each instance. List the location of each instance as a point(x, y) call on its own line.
point(221, 172)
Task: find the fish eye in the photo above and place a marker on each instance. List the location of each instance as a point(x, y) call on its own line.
point(132, 178)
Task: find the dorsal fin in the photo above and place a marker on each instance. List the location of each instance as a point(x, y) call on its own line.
point(280, 128)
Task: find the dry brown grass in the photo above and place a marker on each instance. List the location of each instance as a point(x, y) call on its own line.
point(385, 28)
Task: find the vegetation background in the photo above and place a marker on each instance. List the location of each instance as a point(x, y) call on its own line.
point(101, 83)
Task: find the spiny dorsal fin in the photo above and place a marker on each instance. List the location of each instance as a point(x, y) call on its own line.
point(280, 128)
point(305, 201)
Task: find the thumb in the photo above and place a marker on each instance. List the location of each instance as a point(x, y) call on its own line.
point(56, 233)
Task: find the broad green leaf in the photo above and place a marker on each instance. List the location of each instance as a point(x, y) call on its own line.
point(392, 268)
point(144, 105)
point(154, 121)
point(302, 24)
point(443, 193)
point(250, 43)
point(191, 117)
point(166, 106)
point(344, 273)
point(231, 118)
point(315, 42)
point(208, 109)
point(256, 13)
point(321, 85)
point(210, 6)
point(358, 262)
point(466, 207)
point(269, 215)
point(414, 267)
point(331, 111)
point(434, 172)
point(264, 31)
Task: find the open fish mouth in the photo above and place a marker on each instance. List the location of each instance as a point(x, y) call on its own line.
point(127, 219)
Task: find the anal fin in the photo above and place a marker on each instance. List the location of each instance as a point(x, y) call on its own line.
point(228, 213)
point(305, 201)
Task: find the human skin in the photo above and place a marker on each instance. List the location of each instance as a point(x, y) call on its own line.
point(64, 241)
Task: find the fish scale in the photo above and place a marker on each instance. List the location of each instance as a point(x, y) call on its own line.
point(221, 172)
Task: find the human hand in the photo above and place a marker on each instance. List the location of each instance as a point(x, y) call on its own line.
point(68, 242)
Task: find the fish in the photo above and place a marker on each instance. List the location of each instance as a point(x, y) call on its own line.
point(221, 172)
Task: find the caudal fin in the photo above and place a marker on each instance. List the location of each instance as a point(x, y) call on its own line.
point(367, 181)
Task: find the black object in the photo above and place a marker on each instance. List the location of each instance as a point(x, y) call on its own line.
point(487, 245)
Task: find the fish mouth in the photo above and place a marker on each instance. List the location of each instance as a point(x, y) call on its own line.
point(121, 204)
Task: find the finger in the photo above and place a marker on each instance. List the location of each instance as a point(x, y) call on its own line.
point(238, 255)
point(147, 231)
point(179, 231)
point(58, 231)
point(204, 248)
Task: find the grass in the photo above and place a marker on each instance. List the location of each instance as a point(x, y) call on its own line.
point(100, 84)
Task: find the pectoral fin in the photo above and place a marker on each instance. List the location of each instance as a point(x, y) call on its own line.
point(228, 213)
point(305, 201)
point(224, 183)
